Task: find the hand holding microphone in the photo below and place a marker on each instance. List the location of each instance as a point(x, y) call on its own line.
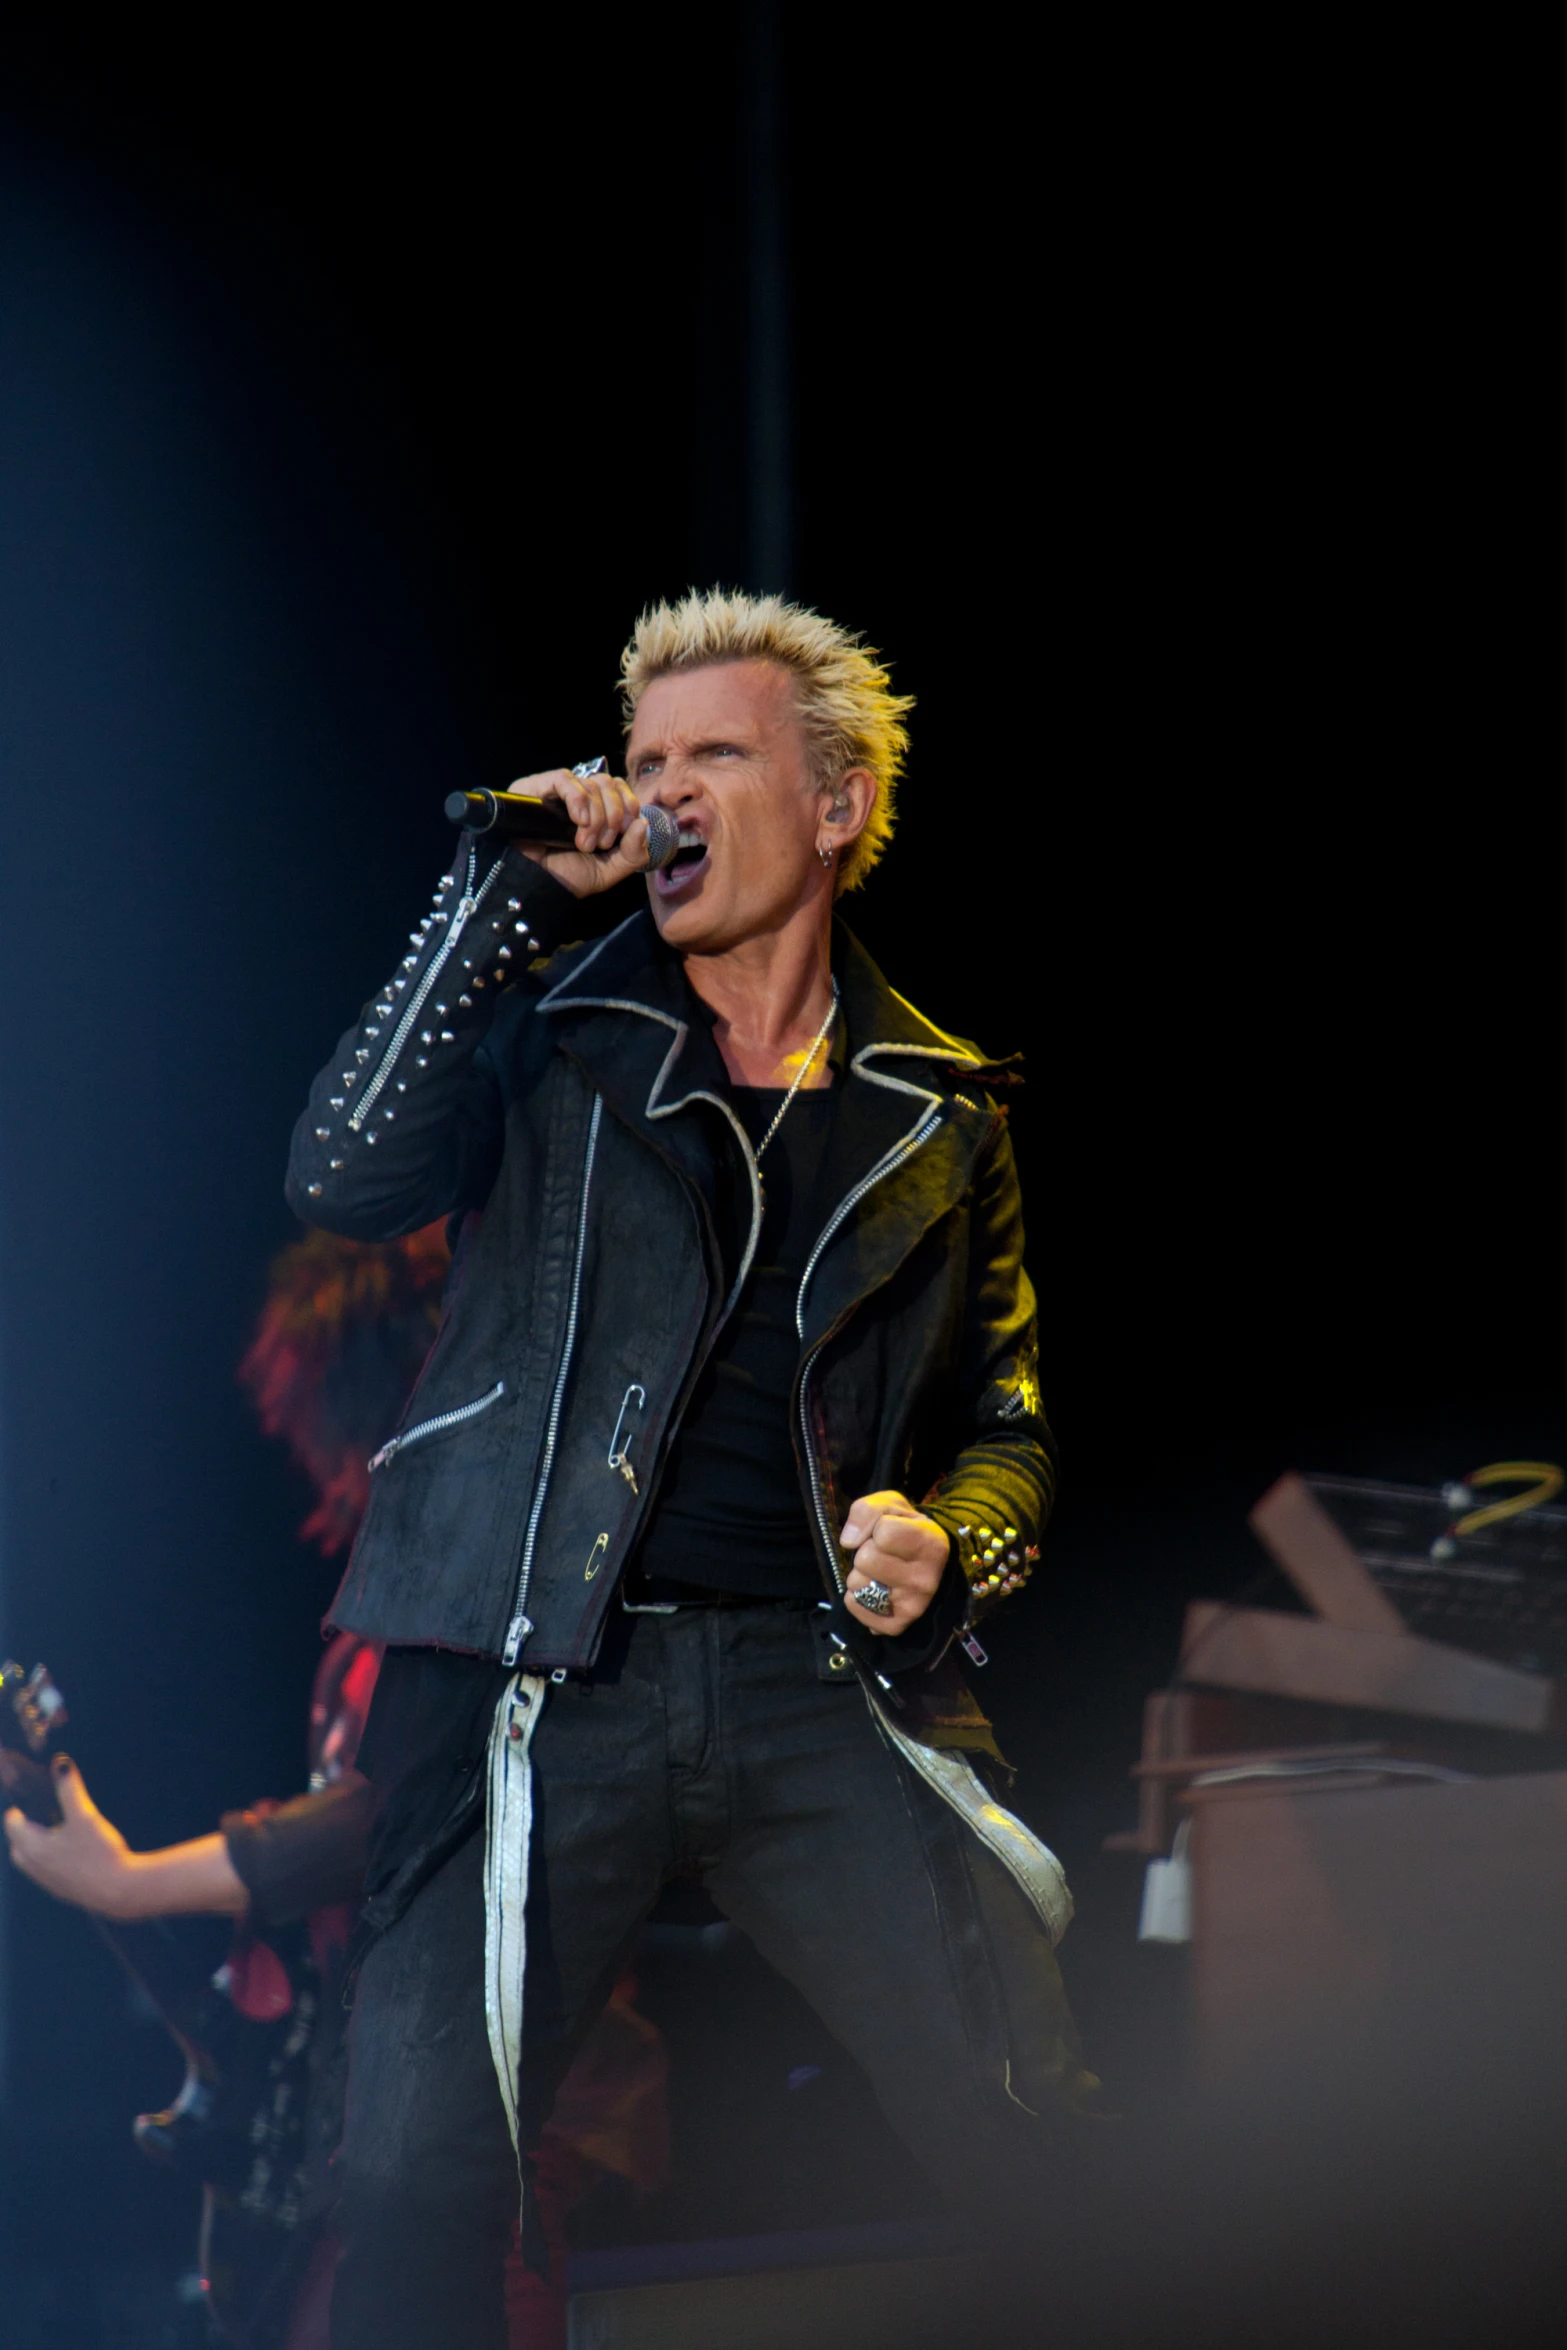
point(586, 827)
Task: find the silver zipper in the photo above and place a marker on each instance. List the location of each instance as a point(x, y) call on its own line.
point(462, 913)
point(846, 1207)
point(465, 1411)
point(519, 1628)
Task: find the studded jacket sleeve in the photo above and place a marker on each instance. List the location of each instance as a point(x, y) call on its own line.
point(404, 1124)
point(994, 1500)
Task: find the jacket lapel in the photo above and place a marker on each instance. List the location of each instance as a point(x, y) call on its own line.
point(905, 1139)
point(625, 1016)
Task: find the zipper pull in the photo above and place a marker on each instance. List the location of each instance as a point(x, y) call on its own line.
point(969, 1643)
point(630, 1475)
point(517, 1632)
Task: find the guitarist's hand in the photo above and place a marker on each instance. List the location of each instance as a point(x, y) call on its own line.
point(86, 1860)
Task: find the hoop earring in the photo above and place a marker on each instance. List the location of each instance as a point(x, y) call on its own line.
point(824, 854)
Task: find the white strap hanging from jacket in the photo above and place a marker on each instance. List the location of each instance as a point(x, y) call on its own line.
point(508, 1833)
point(1032, 1865)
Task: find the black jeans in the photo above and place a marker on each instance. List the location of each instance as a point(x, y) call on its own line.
point(705, 1738)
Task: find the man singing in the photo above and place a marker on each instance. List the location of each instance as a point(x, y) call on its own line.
point(732, 1428)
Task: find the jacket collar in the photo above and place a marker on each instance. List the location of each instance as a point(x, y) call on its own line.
point(631, 970)
point(913, 1107)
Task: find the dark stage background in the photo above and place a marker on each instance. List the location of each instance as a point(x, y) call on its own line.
point(1168, 416)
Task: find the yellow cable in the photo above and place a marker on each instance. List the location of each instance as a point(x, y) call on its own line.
point(1544, 1479)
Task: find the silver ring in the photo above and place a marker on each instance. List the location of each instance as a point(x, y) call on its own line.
point(586, 767)
point(875, 1597)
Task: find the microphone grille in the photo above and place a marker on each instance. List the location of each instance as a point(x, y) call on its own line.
point(663, 837)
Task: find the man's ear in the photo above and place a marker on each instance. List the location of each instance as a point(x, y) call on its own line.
point(849, 804)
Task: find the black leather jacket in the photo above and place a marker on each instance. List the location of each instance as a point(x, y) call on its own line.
point(573, 1111)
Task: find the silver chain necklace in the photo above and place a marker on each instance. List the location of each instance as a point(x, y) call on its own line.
point(804, 1070)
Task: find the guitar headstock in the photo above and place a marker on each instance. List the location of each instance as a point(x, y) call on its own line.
point(32, 1712)
point(34, 1704)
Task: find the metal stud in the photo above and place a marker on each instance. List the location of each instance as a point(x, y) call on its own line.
point(466, 1002)
point(505, 954)
point(447, 1036)
point(402, 1085)
point(521, 928)
point(323, 1134)
point(369, 1031)
point(371, 1138)
point(420, 1062)
point(314, 1190)
point(441, 1009)
point(335, 1164)
point(389, 1115)
point(408, 962)
point(514, 906)
point(336, 1102)
point(362, 1055)
point(478, 983)
point(425, 1036)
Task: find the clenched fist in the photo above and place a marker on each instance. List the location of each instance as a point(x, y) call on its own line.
point(611, 832)
point(895, 1545)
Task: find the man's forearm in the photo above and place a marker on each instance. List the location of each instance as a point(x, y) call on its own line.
point(182, 1878)
point(179, 1880)
point(403, 1124)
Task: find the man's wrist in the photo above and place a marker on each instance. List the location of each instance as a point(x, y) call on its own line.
point(556, 915)
point(990, 1553)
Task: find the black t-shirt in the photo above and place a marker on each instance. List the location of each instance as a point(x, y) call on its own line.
point(731, 1512)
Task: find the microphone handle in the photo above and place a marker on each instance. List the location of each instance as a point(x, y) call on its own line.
point(512, 815)
point(518, 815)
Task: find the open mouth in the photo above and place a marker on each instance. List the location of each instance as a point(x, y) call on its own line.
point(690, 862)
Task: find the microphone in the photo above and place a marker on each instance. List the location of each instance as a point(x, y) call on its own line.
point(519, 816)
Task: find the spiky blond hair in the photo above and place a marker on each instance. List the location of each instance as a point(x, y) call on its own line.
point(851, 715)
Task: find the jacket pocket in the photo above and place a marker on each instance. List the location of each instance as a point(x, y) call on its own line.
point(437, 1426)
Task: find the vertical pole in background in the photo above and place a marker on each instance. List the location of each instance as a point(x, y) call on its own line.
point(5, 1864)
point(769, 436)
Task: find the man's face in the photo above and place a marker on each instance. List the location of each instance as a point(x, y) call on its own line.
point(724, 751)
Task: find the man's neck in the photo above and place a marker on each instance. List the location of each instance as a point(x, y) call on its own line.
point(770, 996)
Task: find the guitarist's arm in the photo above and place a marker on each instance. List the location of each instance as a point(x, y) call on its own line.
point(87, 1861)
point(277, 1864)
